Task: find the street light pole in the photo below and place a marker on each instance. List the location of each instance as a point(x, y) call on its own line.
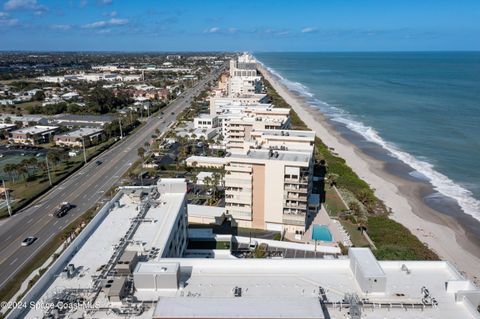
point(7, 199)
point(84, 152)
point(121, 132)
point(48, 171)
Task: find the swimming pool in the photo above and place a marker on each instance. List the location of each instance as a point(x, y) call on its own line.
point(321, 232)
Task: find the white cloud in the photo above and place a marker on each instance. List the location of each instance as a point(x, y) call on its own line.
point(61, 27)
point(105, 2)
point(5, 20)
point(102, 24)
point(104, 31)
point(213, 30)
point(309, 30)
point(110, 14)
point(25, 5)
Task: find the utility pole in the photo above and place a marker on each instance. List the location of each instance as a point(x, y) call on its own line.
point(84, 152)
point(48, 171)
point(7, 199)
point(121, 132)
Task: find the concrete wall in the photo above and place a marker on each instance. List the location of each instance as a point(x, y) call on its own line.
point(274, 188)
point(258, 194)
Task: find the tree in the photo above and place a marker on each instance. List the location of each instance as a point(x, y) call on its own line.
point(207, 181)
point(216, 182)
point(194, 179)
point(38, 96)
point(55, 156)
point(141, 152)
point(331, 179)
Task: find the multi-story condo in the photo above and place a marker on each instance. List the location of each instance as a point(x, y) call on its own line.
point(236, 127)
point(243, 66)
point(269, 189)
point(286, 140)
point(243, 80)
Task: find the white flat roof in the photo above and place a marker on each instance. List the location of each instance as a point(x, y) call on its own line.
point(157, 268)
point(38, 129)
point(240, 307)
point(155, 234)
point(295, 157)
point(205, 211)
point(270, 283)
point(84, 131)
point(207, 159)
point(366, 261)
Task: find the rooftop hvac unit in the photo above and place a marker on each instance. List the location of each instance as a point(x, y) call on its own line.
point(237, 291)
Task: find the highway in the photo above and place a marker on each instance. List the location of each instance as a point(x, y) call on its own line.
point(82, 189)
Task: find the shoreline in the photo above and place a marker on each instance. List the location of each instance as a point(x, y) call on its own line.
point(441, 233)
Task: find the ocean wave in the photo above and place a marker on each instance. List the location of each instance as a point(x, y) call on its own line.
point(440, 182)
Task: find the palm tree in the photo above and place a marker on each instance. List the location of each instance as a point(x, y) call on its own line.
point(331, 179)
point(216, 181)
point(141, 152)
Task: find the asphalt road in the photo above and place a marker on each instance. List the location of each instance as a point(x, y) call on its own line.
point(82, 189)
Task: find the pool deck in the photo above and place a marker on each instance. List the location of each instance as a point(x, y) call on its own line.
point(322, 218)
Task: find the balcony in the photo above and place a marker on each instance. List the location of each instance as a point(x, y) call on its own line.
point(300, 206)
point(294, 219)
point(296, 189)
point(295, 196)
point(301, 180)
point(235, 168)
point(242, 192)
point(245, 200)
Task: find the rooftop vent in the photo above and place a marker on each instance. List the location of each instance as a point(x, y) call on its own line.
point(237, 291)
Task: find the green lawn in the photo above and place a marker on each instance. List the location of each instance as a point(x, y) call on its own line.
point(333, 203)
point(393, 240)
point(358, 240)
point(25, 191)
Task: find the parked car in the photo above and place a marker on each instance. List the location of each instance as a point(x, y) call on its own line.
point(253, 245)
point(98, 162)
point(28, 241)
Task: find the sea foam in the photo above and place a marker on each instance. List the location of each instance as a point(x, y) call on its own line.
point(440, 182)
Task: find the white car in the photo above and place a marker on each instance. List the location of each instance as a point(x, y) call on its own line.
point(28, 241)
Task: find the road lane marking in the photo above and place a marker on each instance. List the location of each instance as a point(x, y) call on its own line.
point(30, 220)
point(14, 261)
point(55, 223)
point(114, 153)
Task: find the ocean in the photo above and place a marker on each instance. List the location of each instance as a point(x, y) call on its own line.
point(422, 108)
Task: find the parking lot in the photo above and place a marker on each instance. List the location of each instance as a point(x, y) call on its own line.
point(242, 251)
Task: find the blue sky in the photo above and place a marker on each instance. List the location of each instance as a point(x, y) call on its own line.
point(260, 25)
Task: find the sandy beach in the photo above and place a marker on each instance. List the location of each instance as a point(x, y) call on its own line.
point(442, 233)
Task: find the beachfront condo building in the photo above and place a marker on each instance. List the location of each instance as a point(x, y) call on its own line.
point(236, 127)
point(244, 80)
point(269, 188)
point(218, 102)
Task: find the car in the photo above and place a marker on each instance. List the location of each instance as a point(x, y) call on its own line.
point(173, 113)
point(253, 245)
point(28, 241)
point(98, 163)
point(62, 209)
point(38, 154)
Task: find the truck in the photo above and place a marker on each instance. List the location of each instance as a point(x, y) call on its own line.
point(62, 209)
